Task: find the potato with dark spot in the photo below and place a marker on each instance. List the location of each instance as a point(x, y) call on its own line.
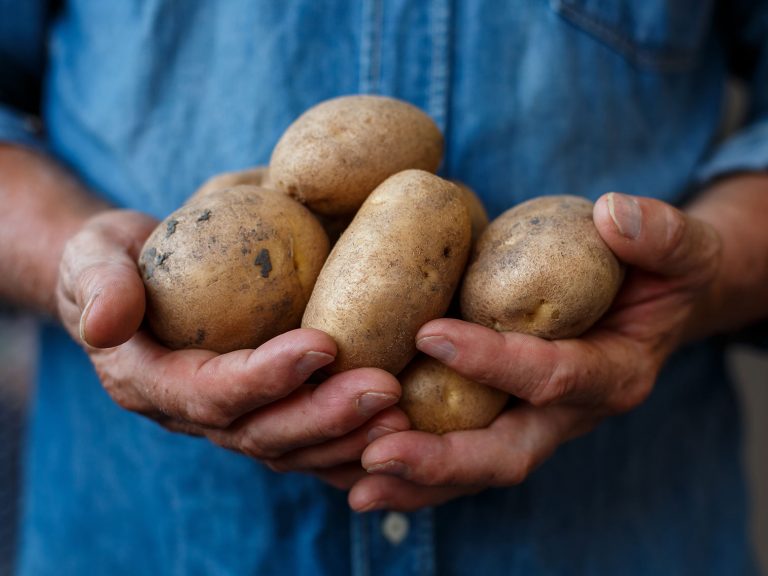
point(231, 269)
point(394, 269)
point(437, 399)
point(337, 152)
point(541, 268)
point(259, 176)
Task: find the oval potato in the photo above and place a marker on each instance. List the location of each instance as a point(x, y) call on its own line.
point(338, 151)
point(231, 269)
point(394, 269)
point(541, 268)
point(437, 399)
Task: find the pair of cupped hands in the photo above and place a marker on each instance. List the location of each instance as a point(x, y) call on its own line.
point(348, 430)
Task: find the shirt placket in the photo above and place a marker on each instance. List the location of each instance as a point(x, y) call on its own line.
point(403, 40)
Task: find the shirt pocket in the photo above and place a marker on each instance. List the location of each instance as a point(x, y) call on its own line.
point(661, 35)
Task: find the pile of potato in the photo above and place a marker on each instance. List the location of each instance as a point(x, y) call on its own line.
point(247, 256)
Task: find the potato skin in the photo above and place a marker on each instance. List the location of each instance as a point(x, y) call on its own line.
point(256, 176)
point(231, 269)
point(394, 269)
point(437, 399)
point(477, 214)
point(541, 268)
point(338, 151)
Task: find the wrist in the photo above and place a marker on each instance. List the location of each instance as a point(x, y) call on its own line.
point(44, 206)
point(734, 207)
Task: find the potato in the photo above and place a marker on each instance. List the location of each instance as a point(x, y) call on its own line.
point(337, 152)
point(394, 268)
point(477, 214)
point(257, 176)
point(541, 268)
point(437, 399)
point(231, 269)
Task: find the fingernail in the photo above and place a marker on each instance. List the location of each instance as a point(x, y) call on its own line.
point(378, 432)
point(375, 505)
point(311, 361)
point(390, 468)
point(372, 402)
point(84, 318)
point(626, 214)
point(438, 347)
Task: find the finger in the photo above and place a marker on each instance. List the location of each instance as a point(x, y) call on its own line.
point(201, 387)
point(345, 449)
point(102, 294)
point(311, 416)
point(342, 477)
point(588, 371)
point(657, 237)
point(503, 454)
point(391, 493)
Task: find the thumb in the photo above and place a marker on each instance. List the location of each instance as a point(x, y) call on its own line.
point(103, 295)
point(656, 237)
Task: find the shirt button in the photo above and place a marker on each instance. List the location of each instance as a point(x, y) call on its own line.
point(395, 527)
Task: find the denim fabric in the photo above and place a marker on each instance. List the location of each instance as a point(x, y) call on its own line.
point(145, 99)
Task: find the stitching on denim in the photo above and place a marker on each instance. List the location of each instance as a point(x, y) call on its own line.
point(666, 60)
point(370, 46)
point(426, 542)
point(437, 99)
point(361, 560)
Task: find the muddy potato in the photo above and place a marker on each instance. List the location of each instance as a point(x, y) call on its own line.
point(257, 176)
point(231, 269)
point(337, 152)
point(541, 268)
point(439, 400)
point(394, 269)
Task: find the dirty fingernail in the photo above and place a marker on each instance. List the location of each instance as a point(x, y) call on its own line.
point(626, 214)
point(311, 361)
point(372, 402)
point(390, 467)
point(378, 432)
point(84, 319)
point(438, 347)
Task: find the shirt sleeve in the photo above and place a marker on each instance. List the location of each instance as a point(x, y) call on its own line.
point(744, 26)
point(23, 31)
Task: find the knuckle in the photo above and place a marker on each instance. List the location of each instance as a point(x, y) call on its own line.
point(208, 414)
point(552, 389)
point(253, 445)
point(632, 395)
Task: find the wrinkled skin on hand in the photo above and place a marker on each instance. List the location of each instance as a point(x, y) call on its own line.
point(566, 387)
point(258, 402)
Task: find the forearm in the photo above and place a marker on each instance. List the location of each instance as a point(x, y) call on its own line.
point(737, 208)
point(43, 205)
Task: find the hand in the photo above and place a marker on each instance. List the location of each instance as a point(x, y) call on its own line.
point(567, 386)
point(257, 402)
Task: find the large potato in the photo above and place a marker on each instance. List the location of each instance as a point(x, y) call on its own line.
point(337, 152)
point(437, 399)
point(541, 268)
point(231, 269)
point(394, 269)
point(259, 176)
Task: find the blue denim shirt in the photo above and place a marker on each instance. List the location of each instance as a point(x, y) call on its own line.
point(145, 99)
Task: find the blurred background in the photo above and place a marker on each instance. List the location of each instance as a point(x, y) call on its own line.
point(17, 350)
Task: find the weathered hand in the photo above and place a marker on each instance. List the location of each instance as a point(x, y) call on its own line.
point(566, 387)
point(257, 402)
